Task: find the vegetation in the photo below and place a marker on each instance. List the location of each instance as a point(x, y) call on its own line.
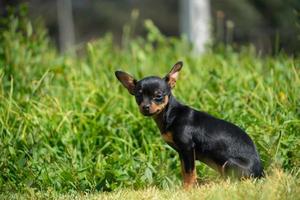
point(67, 125)
point(277, 186)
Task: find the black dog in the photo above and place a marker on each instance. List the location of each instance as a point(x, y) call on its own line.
point(193, 134)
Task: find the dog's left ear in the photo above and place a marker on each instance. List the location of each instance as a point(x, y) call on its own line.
point(127, 81)
point(172, 76)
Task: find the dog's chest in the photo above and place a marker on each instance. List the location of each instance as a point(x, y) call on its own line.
point(169, 139)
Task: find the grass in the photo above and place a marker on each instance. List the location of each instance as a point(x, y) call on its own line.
point(68, 127)
point(278, 185)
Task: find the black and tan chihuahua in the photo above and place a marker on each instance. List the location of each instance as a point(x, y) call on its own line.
point(193, 134)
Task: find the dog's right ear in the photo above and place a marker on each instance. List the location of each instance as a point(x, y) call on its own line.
point(172, 76)
point(127, 81)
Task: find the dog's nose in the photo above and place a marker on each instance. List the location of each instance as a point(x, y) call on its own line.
point(146, 107)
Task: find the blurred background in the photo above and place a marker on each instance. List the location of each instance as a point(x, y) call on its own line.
point(270, 25)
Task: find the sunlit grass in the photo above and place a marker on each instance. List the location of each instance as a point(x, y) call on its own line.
point(278, 185)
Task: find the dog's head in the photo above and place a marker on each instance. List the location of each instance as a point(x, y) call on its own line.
point(152, 92)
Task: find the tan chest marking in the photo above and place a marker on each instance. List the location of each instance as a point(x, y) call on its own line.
point(168, 137)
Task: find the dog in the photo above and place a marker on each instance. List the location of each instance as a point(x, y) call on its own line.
point(195, 135)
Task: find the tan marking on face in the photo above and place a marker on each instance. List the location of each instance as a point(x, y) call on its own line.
point(157, 108)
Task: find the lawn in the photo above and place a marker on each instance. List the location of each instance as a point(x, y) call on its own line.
point(68, 129)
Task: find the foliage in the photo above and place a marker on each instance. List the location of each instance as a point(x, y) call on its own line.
point(66, 124)
point(24, 52)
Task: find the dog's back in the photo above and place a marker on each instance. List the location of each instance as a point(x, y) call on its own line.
point(222, 143)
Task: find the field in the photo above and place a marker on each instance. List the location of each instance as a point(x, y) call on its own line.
point(68, 129)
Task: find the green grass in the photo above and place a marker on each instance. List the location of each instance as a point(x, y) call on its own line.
point(68, 126)
point(277, 186)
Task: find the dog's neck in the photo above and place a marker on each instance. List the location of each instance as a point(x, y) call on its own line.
point(163, 119)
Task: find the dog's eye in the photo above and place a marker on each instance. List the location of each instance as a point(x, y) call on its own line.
point(139, 92)
point(158, 98)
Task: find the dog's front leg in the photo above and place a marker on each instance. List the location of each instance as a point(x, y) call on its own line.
point(188, 169)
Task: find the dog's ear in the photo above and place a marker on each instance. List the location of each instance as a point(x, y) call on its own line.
point(172, 76)
point(127, 81)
